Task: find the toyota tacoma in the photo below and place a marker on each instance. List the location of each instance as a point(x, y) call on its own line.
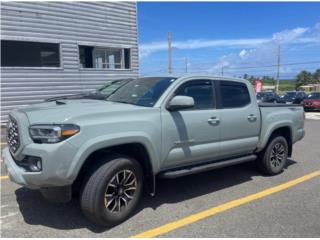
point(109, 150)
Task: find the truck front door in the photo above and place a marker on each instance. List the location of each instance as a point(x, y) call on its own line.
point(191, 135)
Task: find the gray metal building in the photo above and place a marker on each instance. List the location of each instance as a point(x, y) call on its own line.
point(55, 48)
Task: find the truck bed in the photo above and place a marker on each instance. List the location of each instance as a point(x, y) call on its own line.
point(290, 115)
point(278, 105)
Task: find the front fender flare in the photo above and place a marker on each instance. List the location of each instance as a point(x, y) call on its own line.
point(105, 141)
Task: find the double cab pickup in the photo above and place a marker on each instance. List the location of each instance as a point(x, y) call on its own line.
point(109, 150)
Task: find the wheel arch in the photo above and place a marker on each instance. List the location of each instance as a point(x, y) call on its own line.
point(284, 130)
point(138, 144)
point(136, 150)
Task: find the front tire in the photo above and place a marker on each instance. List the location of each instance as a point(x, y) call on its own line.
point(112, 191)
point(273, 158)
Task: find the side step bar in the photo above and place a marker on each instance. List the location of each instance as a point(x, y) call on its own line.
point(206, 167)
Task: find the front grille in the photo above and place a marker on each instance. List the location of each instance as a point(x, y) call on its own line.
point(13, 135)
point(308, 104)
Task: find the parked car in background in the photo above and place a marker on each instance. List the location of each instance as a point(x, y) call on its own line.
point(150, 127)
point(292, 97)
point(98, 94)
point(312, 102)
point(268, 97)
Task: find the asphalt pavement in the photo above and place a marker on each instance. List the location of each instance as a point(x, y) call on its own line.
point(291, 211)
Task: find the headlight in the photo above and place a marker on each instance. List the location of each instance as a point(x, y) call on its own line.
point(42, 133)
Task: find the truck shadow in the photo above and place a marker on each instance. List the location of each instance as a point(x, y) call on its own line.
point(184, 188)
point(38, 211)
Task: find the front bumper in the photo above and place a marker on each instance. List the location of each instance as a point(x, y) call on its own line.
point(300, 133)
point(56, 161)
point(311, 107)
point(16, 173)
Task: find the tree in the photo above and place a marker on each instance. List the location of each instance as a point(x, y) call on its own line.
point(252, 79)
point(303, 78)
point(268, 80)
point(316, 76)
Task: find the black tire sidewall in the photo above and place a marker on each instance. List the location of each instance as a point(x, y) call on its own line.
point(98, 212)
point(266, 158)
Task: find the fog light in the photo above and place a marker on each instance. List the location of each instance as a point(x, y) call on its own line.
point(39, 165)
point(34, 164)
point(31, 164)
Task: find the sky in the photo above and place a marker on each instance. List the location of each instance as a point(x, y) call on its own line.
point(229, 38)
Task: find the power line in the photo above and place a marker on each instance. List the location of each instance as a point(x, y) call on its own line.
point(289, 64)
point(275, 65)
point(259, 67)
point(243, 69)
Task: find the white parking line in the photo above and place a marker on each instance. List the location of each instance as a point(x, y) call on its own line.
point(313, 115)
point(9, 215)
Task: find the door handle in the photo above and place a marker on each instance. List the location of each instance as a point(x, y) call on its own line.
point(213, 120)
point(252, 118)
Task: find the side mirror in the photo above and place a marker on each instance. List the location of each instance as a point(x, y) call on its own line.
point(180, 102)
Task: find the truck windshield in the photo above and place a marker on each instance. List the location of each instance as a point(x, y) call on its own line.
point(109, 88)
point(141, 91)
point(315, 95)
point(290, 94)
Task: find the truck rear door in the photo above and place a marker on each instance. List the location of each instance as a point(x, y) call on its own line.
point(240, 118)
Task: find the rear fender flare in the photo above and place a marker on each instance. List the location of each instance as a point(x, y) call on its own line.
point(266, 134)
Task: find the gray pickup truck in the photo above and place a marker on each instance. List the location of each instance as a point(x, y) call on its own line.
point(107, 150)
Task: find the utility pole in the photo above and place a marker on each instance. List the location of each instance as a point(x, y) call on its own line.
point(169, 53)
point(186, 64)
point(278, 68)
point(222, 71)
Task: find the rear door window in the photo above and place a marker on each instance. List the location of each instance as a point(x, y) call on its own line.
point(233, 94)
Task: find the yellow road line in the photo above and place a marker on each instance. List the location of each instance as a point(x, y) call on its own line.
point(3, 143)
point(221, 208)
point(4, 177)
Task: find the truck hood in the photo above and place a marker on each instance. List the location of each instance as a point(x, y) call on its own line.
point(286, 98)
point(69, 110)
point(311, 101)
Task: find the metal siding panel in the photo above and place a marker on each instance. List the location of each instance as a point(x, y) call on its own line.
point(70, 24)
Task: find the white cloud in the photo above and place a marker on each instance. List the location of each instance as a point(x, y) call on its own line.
point(296, 35)
point(266, 52)
point(289, 35)
point(148, 48)
point(243, 53)
point(249, 51)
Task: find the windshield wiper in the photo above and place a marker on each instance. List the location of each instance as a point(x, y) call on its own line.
point(120, 101)
point(73, 96)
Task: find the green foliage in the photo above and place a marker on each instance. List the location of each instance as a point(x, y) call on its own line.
point(316, 76)
point(286, 85)
point(265, 79)
point(303, 78)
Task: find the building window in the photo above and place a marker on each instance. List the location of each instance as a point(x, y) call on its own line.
point(29, 54)
point(104, 58)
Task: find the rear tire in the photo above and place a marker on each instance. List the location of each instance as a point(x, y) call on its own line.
point(273, 158)
point(112, 191)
